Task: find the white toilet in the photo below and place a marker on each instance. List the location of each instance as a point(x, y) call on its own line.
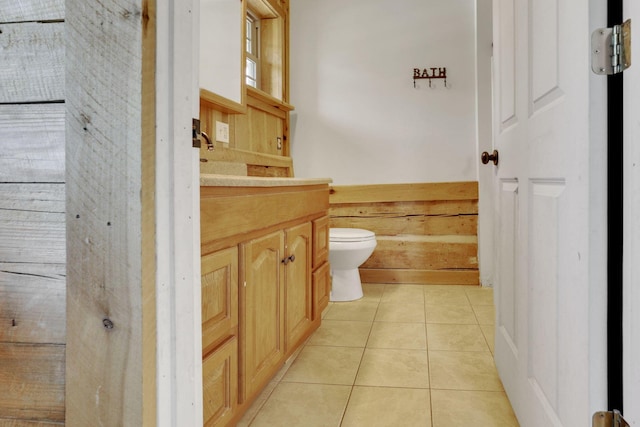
point(348, 249)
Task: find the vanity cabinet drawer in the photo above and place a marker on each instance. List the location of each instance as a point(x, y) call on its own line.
point(219, 297)
point(320, 241)
point(220, 384)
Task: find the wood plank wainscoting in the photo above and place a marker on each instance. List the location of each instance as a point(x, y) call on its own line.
point(32, 213)
point(426, 233)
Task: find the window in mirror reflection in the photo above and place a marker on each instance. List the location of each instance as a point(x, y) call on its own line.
point(252, 48)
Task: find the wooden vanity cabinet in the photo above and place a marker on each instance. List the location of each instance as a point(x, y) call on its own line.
point(265, 282)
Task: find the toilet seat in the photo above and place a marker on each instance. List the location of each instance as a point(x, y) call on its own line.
point(350, 235)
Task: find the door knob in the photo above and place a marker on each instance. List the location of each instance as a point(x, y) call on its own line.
point(486, 157)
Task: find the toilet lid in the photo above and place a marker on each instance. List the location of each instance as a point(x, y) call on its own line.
point(350, 235)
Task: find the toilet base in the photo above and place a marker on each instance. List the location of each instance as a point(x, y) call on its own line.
point(345, 285)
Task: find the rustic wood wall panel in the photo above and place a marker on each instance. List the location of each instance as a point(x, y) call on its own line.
point(110, 213)
point(33, 303)
point(32, 213)
point(426, 233)
point(39, 75)
point(32, 143)
point(33, 382)
point(32, 223)
point(31, 10)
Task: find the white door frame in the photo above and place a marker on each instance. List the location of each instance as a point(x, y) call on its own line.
point(179, 331)
point(484, 138)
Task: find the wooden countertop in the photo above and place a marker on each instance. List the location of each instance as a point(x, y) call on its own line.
point(215, 180)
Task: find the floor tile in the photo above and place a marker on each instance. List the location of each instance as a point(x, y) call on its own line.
point(456, 338)
point(309, 405)
point(400, 312)
point(257, 405)
point(379, 343)
point(412, 336)
point(489, 332)
point(453, 314)
point(325, 365)
point(362, 310)
point(452, 370)
point(485, 314)
point(387, 407)
point(445, 296)
point(341, 333)
point(394, 368)
point(480, 408)
point(403, 293)
point(480, 296)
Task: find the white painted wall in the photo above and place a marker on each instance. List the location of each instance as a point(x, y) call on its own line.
point(358, 118)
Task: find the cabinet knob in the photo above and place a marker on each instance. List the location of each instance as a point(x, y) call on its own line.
point(289, 259)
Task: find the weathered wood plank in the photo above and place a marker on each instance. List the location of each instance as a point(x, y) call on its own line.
point(34, 379)
point(413, 224)
point(248, 157)
point(6, 422)
point(32, 143)
point(404, 192)
point(32, 303)
point(110, 158)
point(32, 63)
point(32, 223)
point(428, 277)
point(31, 10)
point(424, 231)
point(396, 209)
point(409, 252)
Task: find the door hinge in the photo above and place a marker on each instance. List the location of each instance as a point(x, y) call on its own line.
point(609, 419)
point(195, 133)
point(611, 49)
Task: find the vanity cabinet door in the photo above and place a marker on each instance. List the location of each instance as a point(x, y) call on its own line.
point(320, 241)
point(262, 311)
point(298, 292)
point(321, 289)
point(219, 285)
point(220, 384)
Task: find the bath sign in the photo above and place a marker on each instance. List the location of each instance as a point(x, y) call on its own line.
point(430, 73)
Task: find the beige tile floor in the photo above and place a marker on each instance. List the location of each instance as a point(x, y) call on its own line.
point(403, 355)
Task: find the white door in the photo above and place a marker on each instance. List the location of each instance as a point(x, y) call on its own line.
point(550, 286)
point(631, 274)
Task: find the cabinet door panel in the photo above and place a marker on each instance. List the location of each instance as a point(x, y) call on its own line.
point(219, 296)
point(262, 296)
point(320, 241)
point(298, 283)
point(220, 384)
point(321, 289)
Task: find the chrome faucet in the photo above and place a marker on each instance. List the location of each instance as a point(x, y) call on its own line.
point(209, 143)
